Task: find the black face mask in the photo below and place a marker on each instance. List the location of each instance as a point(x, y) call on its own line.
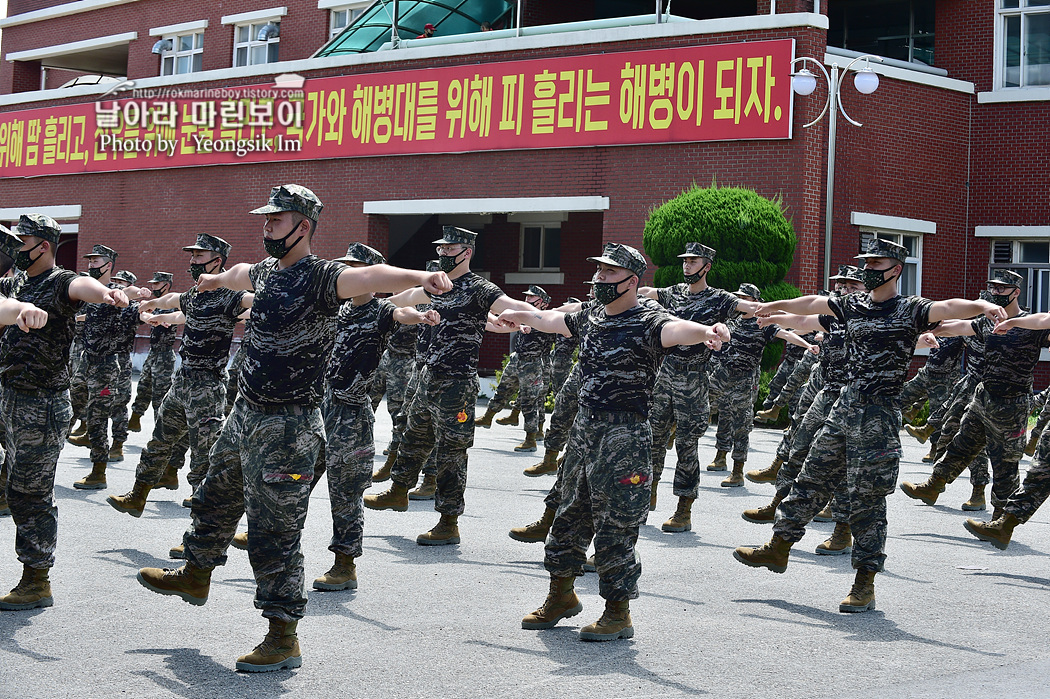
point(196, 270)
point(447, 263)
point(607, 292)
point(276, 247)
point(1001, 300)
point(874, 278)
point(157, 293)
point(695, 276)
point(97, 272)
point(23, 261)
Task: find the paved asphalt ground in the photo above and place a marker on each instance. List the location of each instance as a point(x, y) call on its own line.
point(955, 617)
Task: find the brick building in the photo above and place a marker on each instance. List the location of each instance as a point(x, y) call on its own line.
point(951, 159)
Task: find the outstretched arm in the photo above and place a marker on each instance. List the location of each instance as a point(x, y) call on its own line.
point(410, 316)
point(25, 315)
point(794, 339)
point(649, 292)
point(1036, 321)
point(803, 306)
point(954, 328)
point(505, 302)
point(952, 309)
point(354, 281)
point(410, 297)
point(686, 332)
point(544, 321)
point(91, 290)
point(236, 278)
point(167, 302)
point(806, 324)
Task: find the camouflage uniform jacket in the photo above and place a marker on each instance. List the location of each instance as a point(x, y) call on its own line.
point(456, 340)
point(40, 359)
point(362, 334)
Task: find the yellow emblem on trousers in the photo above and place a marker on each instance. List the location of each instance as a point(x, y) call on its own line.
point(462, 416)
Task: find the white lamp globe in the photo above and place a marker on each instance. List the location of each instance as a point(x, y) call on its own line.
point(803, 82)
point(866, 81)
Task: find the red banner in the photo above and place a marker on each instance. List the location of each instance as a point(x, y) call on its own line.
point(697, 93)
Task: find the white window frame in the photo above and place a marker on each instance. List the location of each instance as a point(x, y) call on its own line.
point(896, 236)
point(353, 11)
point(543, 226)
point(253, 42)
point(999, 66)
point(1036, 274)
point(175, 54)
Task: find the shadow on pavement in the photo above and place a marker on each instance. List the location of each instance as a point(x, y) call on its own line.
point(10, 624)
point(196, 675)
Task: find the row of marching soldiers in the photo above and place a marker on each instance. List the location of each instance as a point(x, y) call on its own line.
point(313, 344)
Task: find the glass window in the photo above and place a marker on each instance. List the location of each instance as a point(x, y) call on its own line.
point(1023, 43)
point(1035, 252)
point(249, 51)
point(1030, 259)
point(185, 56)
point(540, 247)
point(339, 18)
point(901, 29)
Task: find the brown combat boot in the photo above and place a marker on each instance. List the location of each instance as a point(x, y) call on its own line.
point(240, 541)
point(5, 509)
point(536, 532)
point(839, 543)
point(719, 464)
point(928, 492)
point(134, 502)
point(1029, 448)
point(681, 520)
point(170, 479)
point(135, 422)
point(116, 452)
point(653, 494)
point(393, 498)
point(920, 433)
point(824, 515)
point(78, 431)
point(671, 437)
point(188, 582)
point(976, 503)
point(486, 419)
point(561, 603)
point(279, 650)
point(341, 576)
point(511, 419)
point(931, 456)
point(614, 623)
point(445, 532)
point(766, 475)
point(736, 478)
point(96, 480)
point(177, 552)
point(765, 514)
point(771, 415)
point(997, 532)
point(529, 444)
point(548, 465)
point(772, 554)
point(383, 472)
point(80, 439)
point(426, 490)
point(31, 592)
point(861, 596)
point(910, 413)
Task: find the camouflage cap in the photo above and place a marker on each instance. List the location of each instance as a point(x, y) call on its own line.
point(210, 243)
point(749, 290)
point(292, 197)
point(10, 243)
point(624, 256)
point(433, 266)
point(102, 251)
point(450, 235)
point(538, 291)
point(1005, 277)
point(846, 272)
point(877, 247)
point(698, 250)
point(359, 252)
point(162, 278)
point(40, 226)
point(125, 276)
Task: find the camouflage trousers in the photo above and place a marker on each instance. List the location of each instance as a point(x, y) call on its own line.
point(398, 372)
point(1041, 422)
point(605, 498)
point(234, 375)
point(401, 421)
point(348, 452)
point(194, 407)
point(998, 424)
point(36, 428)
point(561, 365)
point(779, 380)
point(680, 397)
point(155, 379)
point(261, 465)
point(806, 398)
point(103, 376)
point(119, 414)
point(937, 386)
point(736, 412)
point(566, 406)
point(860, 444)
point(78, 392)
point(792, 392)
point(440, 419)
point(1036, 487)
point(946, 421)
point(527, 378)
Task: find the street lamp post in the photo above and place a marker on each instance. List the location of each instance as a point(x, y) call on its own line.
point(804, 82)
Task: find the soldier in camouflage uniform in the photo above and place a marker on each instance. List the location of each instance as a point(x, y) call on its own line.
point(194, 404)
point(740, 366)
point(1039, 402)
point(34, 371)
point(998, 414)
point(364, 326)
point(561, 358)
point(10, 244)
point(935, 379)
point(78, 378)
point(527, 377)
point(129, 331)
point(397, 365)
point(441, 417)
point(105, 339)
point(264, 460)
point(607, 466)
point(682, 396)
point(860, 441)
point(159, 365)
